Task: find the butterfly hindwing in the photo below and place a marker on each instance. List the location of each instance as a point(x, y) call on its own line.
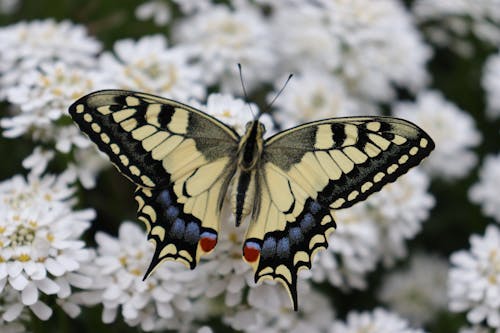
point(180, 158)
point(313, 169)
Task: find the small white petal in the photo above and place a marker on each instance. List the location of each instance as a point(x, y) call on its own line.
point(19, 282)
point(41, 310)
point(29, 294)
point(13, 311)
point(48, 286)
point(54, 267)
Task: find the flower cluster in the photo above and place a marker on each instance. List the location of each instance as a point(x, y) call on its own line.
point(473, 285)
point(452, 129)
point(41, 251)
point(375, 230)
point(378, 321)
point(485, 192)
point(448, 23)
point(418, 292)
point(162, 302)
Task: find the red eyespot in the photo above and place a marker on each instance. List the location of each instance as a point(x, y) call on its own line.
point(251, 251)
point(208, 243)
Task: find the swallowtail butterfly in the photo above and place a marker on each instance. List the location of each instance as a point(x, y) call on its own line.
point(184, 161)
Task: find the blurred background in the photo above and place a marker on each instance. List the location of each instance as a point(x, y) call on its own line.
point(421, 255)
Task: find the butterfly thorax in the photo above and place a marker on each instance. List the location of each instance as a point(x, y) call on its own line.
point(244, 183)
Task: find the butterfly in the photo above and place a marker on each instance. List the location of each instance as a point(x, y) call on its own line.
point(184, 161)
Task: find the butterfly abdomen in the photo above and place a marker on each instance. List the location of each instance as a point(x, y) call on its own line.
point(243, 195)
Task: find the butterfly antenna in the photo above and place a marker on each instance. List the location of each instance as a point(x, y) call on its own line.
point(245, 92)
point(279, 92)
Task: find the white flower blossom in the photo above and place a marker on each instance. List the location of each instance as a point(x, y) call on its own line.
point(223, 37)
point(233, 111)
point(268, 311)
point(485, 191)
point(193, 6)
point(149, 65)
point(41, 251)
point(399, 210)
point(374, 230)
point(377, 321)
point(448, 23)
point(154, 9)
point(418, 292)
point(26, 45)
point(313, 95)
point(42, 96)
point(352, 251)
point(353, 43)
point(491, 84)
point(452, 129)
point(162, 301)
point(474, 279)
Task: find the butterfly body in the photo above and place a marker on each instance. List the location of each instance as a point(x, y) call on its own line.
point(184, 162)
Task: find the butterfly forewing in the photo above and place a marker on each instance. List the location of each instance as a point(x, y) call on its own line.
point(180, 158)
point(313, 169)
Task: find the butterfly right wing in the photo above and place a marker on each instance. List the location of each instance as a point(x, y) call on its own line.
point(181, 159)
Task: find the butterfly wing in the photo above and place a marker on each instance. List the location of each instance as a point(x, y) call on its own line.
point(313, 169)
point(180, 158)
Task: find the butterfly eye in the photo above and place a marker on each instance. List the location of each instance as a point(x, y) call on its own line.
point(262, 128)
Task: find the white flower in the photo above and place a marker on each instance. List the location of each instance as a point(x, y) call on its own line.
point(303, 38)
point(352, 251)
point(418, 292)
point(41, 250)
point(374, 230)
point(491, 84)
point(222, 38)
point(26, 45)
point(37, 161)
point(192, 6)
point(399, 210)
point(42, 96)
point(474, 279)
point(225, 273)
point(149, 65)
point(233, 111)
point(155, 9)
point(354, 35)
point(448, 23)
point(485, 192)
point(9, 302)
point(313, 95)
point(268, 311)
point(161, 301)
point(452, 129)
point(377, 321)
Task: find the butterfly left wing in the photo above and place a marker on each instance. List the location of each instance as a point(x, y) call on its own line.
point(180, 158)
point(313, 169)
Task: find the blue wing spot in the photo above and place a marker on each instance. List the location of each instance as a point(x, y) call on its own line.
point(165, 198)
point(192, 233)
point(283, 248)
point(177, 229)
point(315, 207)
point(172, 212)
point(268, 248)
point(295, 235)
point(307, 223)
